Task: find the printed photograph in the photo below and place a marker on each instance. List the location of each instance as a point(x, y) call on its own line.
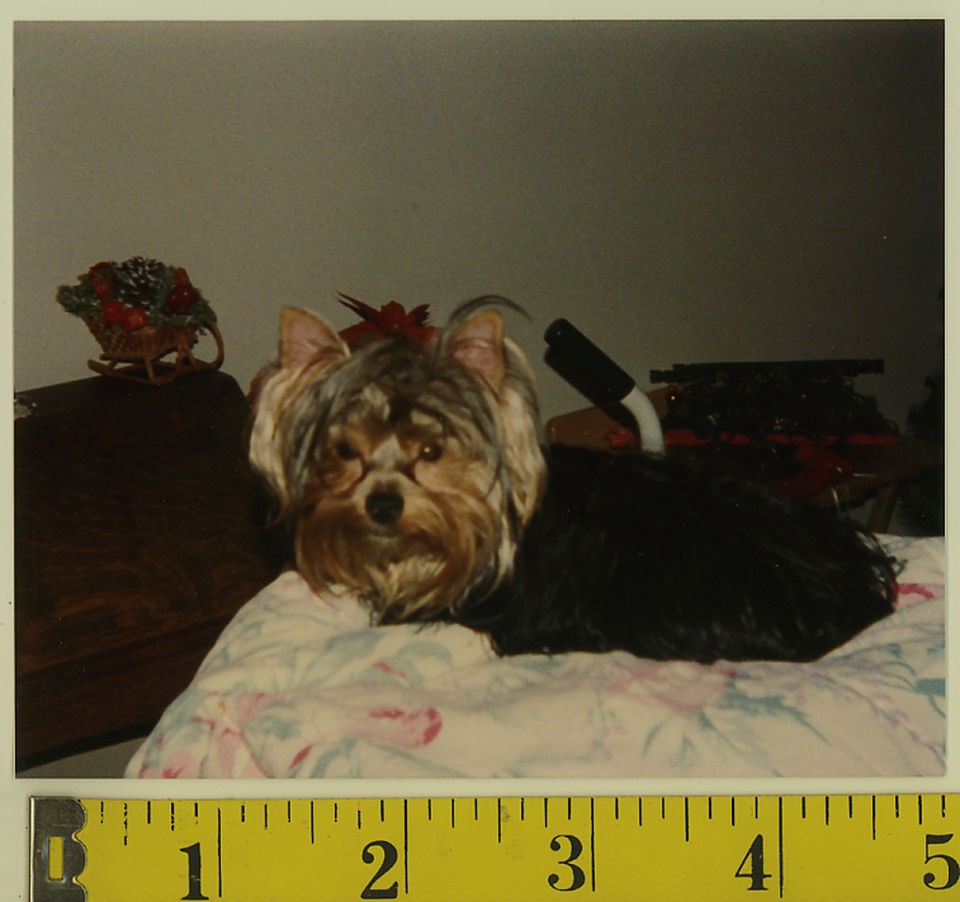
point(479, 399)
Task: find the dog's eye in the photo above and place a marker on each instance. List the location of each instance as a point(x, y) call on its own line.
point(430, 452)
point(346, 451)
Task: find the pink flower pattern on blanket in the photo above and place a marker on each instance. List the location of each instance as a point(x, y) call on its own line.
point(392, 727)
point(677, 686)
point(410, 728)
point(909, 594)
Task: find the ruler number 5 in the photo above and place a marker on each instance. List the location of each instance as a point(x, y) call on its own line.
point(953, 868)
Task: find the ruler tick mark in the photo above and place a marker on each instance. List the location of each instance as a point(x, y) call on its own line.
point(780, 843)
point(219, 852)
point(406, 858)
point(593, 850)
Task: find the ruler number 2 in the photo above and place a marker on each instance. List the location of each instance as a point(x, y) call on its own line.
point(390, 857)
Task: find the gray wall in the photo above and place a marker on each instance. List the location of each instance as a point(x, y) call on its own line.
point(681, 191)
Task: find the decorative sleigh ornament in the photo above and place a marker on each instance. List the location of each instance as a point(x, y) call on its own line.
point(147, 318)
point(140, 355)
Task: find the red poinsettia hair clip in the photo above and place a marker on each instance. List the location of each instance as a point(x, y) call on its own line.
point(391, 320)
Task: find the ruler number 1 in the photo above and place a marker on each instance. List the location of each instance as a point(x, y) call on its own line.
point(193, 873)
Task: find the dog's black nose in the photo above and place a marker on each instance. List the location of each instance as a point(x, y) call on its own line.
point(384, 507)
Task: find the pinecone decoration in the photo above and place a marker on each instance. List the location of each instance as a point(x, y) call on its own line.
point(139, 278)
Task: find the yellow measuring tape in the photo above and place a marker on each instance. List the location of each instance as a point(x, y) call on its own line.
point(791, 847)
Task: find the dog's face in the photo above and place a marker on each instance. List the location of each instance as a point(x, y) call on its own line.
point(405, 471)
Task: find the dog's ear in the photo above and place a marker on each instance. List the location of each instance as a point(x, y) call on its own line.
point(477, 344)
point(307, 339)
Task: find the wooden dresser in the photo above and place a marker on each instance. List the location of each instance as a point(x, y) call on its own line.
point(136, 539)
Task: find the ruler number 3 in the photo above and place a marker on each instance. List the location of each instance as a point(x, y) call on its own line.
point(577, 877)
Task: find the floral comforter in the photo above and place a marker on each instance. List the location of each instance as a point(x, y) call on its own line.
point(299, 685)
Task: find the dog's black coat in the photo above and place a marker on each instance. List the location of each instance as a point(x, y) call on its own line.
point(670, 561)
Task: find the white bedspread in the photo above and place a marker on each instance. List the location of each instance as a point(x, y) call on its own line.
point(299, 685)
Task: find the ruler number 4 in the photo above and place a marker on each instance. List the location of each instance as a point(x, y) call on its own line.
point(751, 868)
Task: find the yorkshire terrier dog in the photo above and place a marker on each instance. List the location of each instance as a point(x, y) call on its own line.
point(414, 472)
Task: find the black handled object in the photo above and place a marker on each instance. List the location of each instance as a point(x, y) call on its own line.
point(609, 378)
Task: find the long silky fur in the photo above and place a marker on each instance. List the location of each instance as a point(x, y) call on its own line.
point(670, 561)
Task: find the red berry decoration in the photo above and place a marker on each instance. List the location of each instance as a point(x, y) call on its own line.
point(181, 299)
point(135, 318)
point(113, 312)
